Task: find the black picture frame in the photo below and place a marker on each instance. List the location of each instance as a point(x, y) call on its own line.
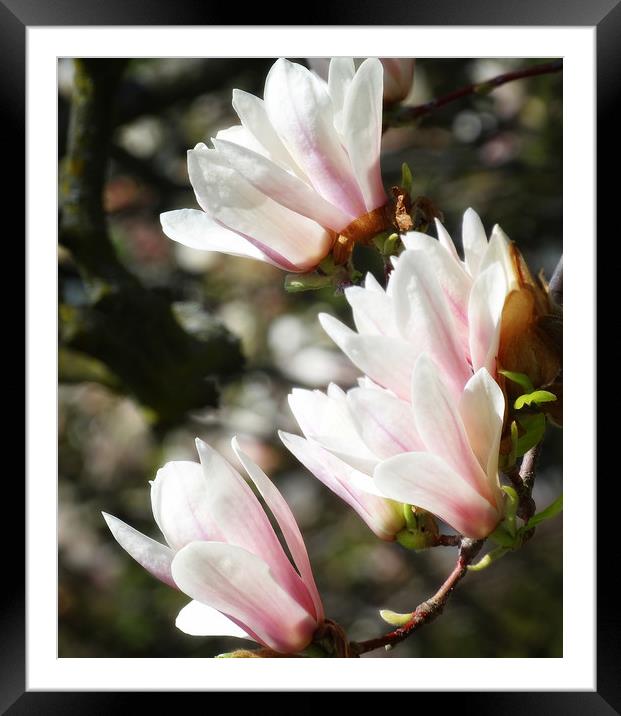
point(605, 15)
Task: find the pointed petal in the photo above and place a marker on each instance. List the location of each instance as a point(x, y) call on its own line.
point(340, 74)
point(327, 420)
point(440, 426)
point(292, 240)
point(253, 116)
point(198, 619)
point(425, 480)
point(487, 300)
point(239, 135)
point(281, 186)
point(387, 361)
point(242, 520)
point(362, 124)
point(475, 241)
point(482, 410)
point(180, 504)
point(381, 515)
point(424, 319)
point(156, 558)
point(385, 423)
point(372, 310)
point(236, 582)
point(286, 521)
point(300, 109)
point(198, 230)
point(445, 240)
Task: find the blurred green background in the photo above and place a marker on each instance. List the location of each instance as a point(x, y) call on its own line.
point(499, 153)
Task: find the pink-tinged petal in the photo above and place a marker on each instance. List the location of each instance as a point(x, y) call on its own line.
point(181, 506)
point(372, 310)
point(242, 137)
point(455, 282)
point(498, 253)
point(482, 409)
point(300, 109)
point(475, 241)
point(440, 426)
point(275, 230)
point(198, 230)
point(385, 423)
point(362, 130)
point(424, 318)
point(340, 74)
point(282, 186)
point(327, 420)
point(425, 480)
point(198, 619)
point(242, 520)
point(156, 558)
point(286, 521)
point(487, 300)
point(237, 582)
point(253, 116)
point(445, 240)
point(381, 515)
point(387, 361)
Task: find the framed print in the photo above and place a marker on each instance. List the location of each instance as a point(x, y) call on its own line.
point(345, 278)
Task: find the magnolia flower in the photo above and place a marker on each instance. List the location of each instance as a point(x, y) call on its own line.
point(222, 551)
point(398, 75)
point(299, 176)
point(356, 442)
point(434, 303)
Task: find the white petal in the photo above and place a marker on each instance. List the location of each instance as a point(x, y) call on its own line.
point(425, 480)
point(482, 409)
point(381, 515)
point(198, 230)
point(475, 241)
point(387, 361)
point(291, 240)
point(300, 109)
point(440, 426)
point(372, 310)
point(286, 521)
point(362, 129)
point(445, 239)
point(281, 186)
point(385, 423)
point(424, 319)
point(156, 558)
point(340, 74)
point(253, 116)
point(487, 300)
point(240, 584)
point(198, 619)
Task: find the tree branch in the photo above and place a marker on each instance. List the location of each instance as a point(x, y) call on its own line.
point(429, 609)
point(129, 329)
point(402, 116)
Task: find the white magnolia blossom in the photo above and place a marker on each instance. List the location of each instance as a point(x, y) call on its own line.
point(423, 427)
point(221, 550)
point(300, 168)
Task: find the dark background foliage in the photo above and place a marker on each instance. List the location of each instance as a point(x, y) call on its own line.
point(499, 153)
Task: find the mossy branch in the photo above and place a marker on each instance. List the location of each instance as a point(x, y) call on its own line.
point(126, 327)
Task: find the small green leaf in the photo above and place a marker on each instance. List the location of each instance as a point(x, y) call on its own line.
point(394, 618)
point(503, 537)
point(535, 427)
point(511, 508)
point(489, 558)
point(536, 397)
point(547, 514)
point(295, 282)
point(520, 378)
point(406, 178)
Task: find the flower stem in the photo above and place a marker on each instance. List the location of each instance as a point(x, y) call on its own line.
point(402, 116)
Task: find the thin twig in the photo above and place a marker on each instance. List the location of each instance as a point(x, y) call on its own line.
point(407, 115)
point(429, 609)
